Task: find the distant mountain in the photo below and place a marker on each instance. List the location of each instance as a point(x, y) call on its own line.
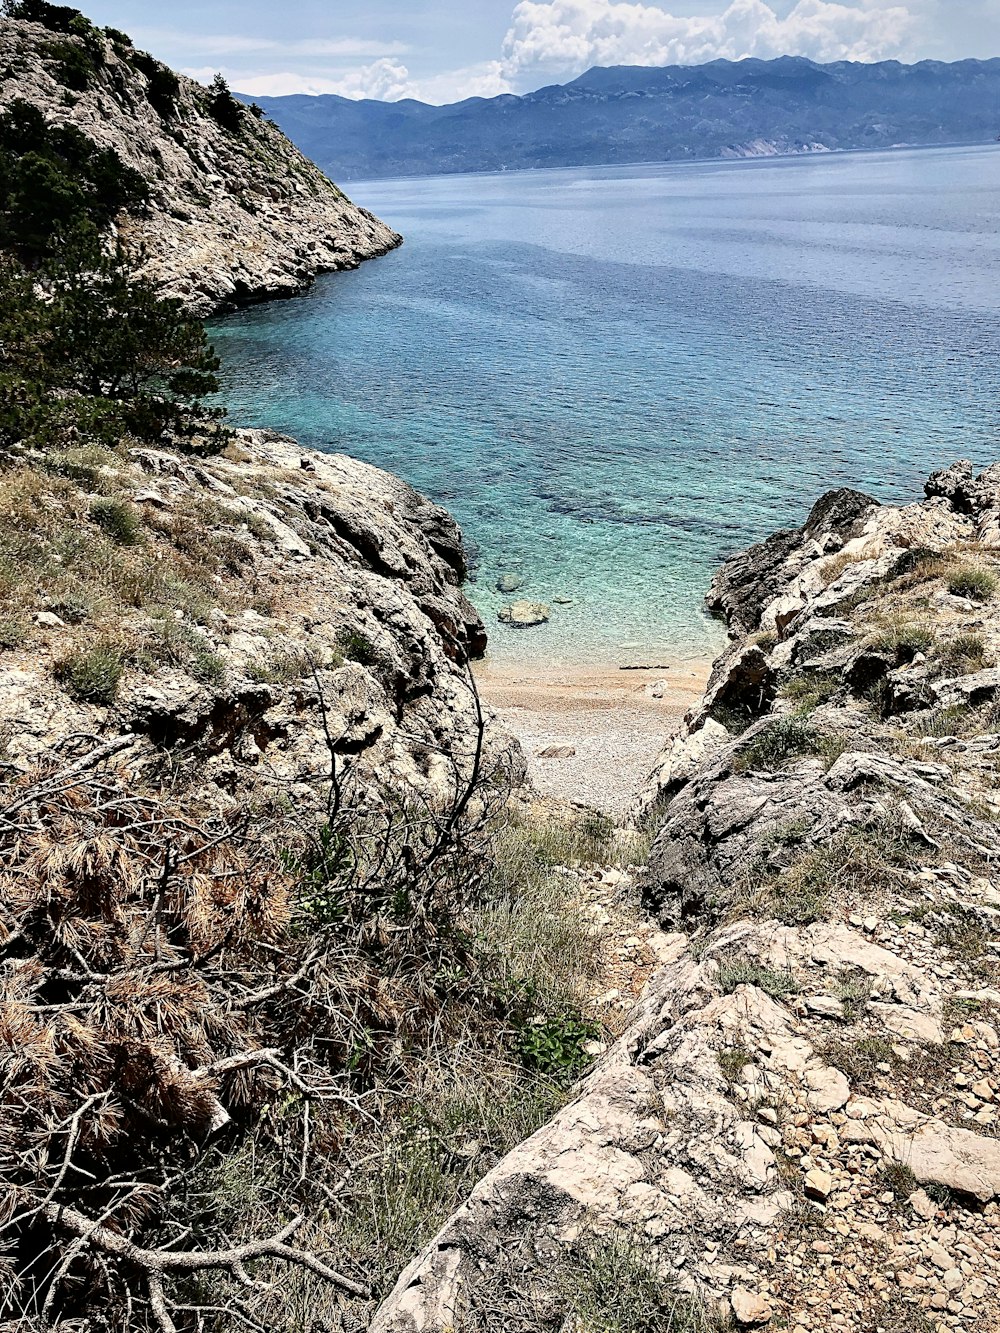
point(634, 114)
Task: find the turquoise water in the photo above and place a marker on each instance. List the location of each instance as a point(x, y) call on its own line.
point(616, 377)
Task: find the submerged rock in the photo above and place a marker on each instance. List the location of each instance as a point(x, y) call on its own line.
point(509, 583)
point(524, 615)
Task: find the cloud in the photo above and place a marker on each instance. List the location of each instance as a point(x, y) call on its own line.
point(383, 80)
point(561, 38)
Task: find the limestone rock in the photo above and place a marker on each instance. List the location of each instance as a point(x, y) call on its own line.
point(524, 615)
point(750, 1308)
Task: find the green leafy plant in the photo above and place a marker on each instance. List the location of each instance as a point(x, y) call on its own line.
point(555, 1045)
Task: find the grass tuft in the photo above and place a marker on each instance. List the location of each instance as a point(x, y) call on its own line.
point(978, 585)
point(92, 675)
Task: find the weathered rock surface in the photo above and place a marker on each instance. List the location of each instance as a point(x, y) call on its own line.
point(236, 216)
point(800, 1122)
point(346, 615)
point(524, 615)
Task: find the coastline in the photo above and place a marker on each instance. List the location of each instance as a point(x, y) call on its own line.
point(614, 721)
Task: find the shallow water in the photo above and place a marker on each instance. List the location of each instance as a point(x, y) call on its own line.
point(615, 377)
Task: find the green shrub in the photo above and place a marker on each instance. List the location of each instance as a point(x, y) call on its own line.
point(777, 744)
point(92, 675)
point(978, 585)
point(223, 106)
point(71, 64)
point(13, 633)
point(119, 519)
point(555, 1046)
point(753, 973)
point(163, 85)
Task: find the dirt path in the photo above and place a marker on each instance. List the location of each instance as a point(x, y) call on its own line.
point(604, 725)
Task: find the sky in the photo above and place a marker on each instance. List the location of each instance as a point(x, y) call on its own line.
point(445, 50)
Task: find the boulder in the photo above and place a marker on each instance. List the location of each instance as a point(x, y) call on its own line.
point(524, 615)
point(509, 583)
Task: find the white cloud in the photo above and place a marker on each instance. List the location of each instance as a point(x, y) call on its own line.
point(560, 38)
point(484, 80)
point(384, 80)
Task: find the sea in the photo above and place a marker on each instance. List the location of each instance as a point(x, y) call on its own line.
point(616, 377)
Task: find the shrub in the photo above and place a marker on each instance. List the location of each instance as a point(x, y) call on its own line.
point(163, 86)
point(751, 972)
point(223, 106)
point(119, 519)
point(73, 65)
point(555, 1046)
point(978, 585)
point(811, 689)
point(13, 633)
point(777, 744)
point(92, 675)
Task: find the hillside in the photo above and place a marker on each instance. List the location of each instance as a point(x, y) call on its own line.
point(723, 109)
point(235, 212)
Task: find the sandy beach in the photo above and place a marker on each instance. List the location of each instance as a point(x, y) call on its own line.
point(614, 721)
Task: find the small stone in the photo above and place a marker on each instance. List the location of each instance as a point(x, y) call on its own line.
point(749, 1308)
point(557, 752)
point(923, 1205)
point(819, 1184)
point(49, 620)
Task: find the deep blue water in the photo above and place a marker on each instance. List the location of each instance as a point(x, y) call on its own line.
point(615, 377)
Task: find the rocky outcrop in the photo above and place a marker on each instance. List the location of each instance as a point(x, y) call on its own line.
point(237, 214)
point(336, 622)
point(799, 1125)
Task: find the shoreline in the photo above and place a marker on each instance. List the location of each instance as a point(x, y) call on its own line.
point(604, 725)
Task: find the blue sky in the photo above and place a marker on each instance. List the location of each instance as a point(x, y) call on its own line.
point(443, 50)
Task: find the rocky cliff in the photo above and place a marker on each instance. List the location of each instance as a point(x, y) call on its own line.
point(239, 616)
point(236, 212)
point(799, 1125)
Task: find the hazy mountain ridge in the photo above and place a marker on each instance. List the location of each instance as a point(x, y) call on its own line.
point(634, 114)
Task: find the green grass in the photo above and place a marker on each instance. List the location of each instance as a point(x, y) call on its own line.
point(732, 1061)
point(978, 585)
point(853, 989)
point(860, 865)
point(811, 689)
point(961, 655)
point(615, 1286)
point(903, 639)
point(14, 633)
point(92, 675)
point(119, 520)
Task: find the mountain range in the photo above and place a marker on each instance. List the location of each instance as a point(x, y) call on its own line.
point(746, 108)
